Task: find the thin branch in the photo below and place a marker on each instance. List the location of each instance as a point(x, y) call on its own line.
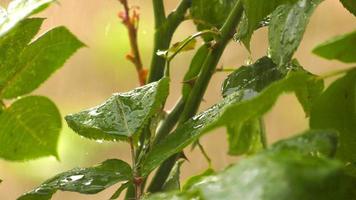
point(137, 179)
point(130, 18)
point(196, 95)
point(163, 37)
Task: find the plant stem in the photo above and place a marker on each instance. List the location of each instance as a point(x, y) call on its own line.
point(137, 180)
point(263, 135)
point(159, 12)
point(169, 123)
point(163, 35)
point(196, 95)
point(209, 66)
point(131, 23)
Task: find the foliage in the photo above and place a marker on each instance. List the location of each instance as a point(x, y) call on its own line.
point(318, 164)
point(30, 127)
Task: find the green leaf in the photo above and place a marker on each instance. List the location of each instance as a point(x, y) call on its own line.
point(229, 111)
point(208, 14)
point(340, 48)
point(336, 109)
point(13, 43)
point(270, 176)
point(312, 142)
point(254, 77)
point(194, 69)
point(17, 11)
point(196, 179)
point(173, 181)
point(120, 190)
point(123, 115)
point(29, 129)
point(255, 12)
point(287, 27)
point(246, 137)
point(350, 5)
point(37, 62)
point(83, 180)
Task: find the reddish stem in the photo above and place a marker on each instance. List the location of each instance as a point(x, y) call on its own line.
point(130, 20)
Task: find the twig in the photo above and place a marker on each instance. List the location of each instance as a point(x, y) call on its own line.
point(137, 179)
point(131, 20)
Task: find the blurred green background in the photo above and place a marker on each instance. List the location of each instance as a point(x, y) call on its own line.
point(94, 73)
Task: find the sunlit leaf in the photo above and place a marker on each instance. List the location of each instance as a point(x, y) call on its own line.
point(17, 11)
point(83, 180)
point(36, 62)
point(229, 111)
point(336, 109)
point(29, 129)
point(14, 43)
point(340, 48)
point(123, 115)
point(287, 27)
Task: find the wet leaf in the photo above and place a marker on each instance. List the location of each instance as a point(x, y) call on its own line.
point(254, 77)
point(340, 48)
point(229, 111)
point(283, 175)
point(246, 137)
point(287, 27)
point(36, 62)
point(29, 129)
point(336, 109)
point(312, 142)
point(83, 180)
point(208, 14)
point(350, 5)
point(17, 11)
point(255, 12)
point(123, 115)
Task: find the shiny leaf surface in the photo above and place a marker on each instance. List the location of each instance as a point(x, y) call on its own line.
point(273, 175)
point(312, 142)
point(287, 27)
point(17, 11)
point(36, 62)
point(246, 137)
point(83, 180)
point(123, 115)
point(256, 11)
point(29, 129)
point(229, 111)
point(336, 109)
point(340, 48)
